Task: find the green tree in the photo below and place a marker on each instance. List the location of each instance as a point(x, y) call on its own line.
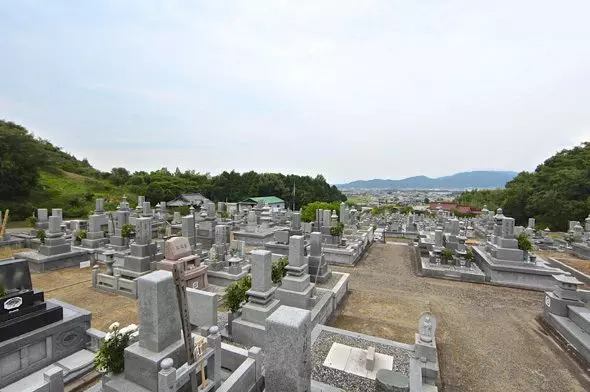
point(308, 211)
point(21, 156)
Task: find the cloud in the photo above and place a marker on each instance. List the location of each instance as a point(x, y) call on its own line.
point(350, 89)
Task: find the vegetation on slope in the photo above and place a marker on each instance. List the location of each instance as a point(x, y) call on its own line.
point(34, 173)
point(556, 192)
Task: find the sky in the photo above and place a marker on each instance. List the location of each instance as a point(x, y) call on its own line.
point(345, 88)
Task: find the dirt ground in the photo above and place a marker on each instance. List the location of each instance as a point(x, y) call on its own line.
point(568, 259)
point(488, 336)
point(74, 286)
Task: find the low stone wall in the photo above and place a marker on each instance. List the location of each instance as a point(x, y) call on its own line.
point(455, 273)
point(578, 274)
point(515, 274)
point(114, 284)
point(581, 250)
point(41, 263)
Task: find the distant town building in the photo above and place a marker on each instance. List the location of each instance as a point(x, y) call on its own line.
point(451, 206)
point(189, 199)
point(270, 201)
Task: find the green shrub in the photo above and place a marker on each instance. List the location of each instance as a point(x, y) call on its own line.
point(127, 230)
point(278, 269)
point(524, 243)
point(111, 354)
point(470, 256)
point(337, 230)
point(235, 293)
point(81, 234)
point(31, 221)
point(41, 235)
point(246, 282)
point(446, 254)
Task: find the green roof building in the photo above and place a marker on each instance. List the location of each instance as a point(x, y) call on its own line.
point(271, 201)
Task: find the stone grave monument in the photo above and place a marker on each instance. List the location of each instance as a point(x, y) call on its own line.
point(287, 350)
point(318, 266)
point(34, 332)
point(296, 289)
point(249, 328)
point(178, 251)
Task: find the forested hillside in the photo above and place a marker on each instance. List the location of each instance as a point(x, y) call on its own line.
point(34, 173)
point(556, 192)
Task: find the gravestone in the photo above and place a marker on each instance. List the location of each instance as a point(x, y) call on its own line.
point(99, 207)
point(317, 264)
point(121, 218)
point(42, 218)
point(55, 242)
point(42, 214)
point(296, 289)
point(34, 332)
point(296, 221)
point(531, 224)
point(281, 237)
point(177, 250)
point(95, 236)
point(202, 309)
point(287, 349)
point(188, 229)
point(344, 214)
point(159, 332)
point(146, 208)
point(176, 218)
point(438, 237)
point(249, 328)
point(138, 261)
point(57, 212)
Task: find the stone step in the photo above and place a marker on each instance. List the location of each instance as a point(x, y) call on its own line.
point(581, 317)
point(579, 339)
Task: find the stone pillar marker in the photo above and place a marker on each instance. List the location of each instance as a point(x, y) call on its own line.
point(296, 221)
point(54, 225)
point(438, 237)
point(158, 311)
point(188, 229)
point(287, 349)
point(261, 271)
point(531, 224)
point(316, 243)
point(57, 212)
point(317, 264)
point(99, 206)
point(147, 208)
point(143, 231)
point(42, 214)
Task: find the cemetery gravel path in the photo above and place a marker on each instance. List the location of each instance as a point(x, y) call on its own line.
point(488, 336)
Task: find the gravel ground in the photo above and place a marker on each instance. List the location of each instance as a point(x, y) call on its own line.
point(351, 382)
point(488, 336)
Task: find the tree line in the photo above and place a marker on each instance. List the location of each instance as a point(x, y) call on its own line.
point(556, 192)
point(35, 173)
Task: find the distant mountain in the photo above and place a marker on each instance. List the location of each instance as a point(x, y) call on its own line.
point(472, 179)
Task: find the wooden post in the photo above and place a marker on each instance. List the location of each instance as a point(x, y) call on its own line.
point(180, 283)
point(4, 223)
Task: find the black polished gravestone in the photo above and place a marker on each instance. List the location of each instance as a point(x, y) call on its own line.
point(22, 309)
